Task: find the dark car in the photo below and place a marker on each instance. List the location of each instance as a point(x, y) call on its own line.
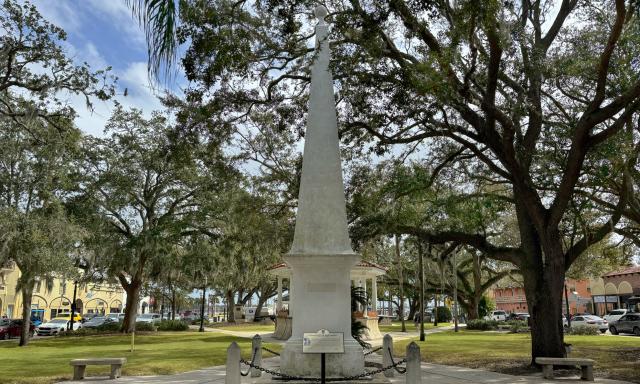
point(629, 323)
point(12, 328)
point(98, 321)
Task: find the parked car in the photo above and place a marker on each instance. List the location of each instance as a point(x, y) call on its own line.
point(590, 321)
point(519, 316)
point(98, 321)
point(67, 315)
point(89, 316)
point(55, 326)
point(13, 328)
point(615, 315)
point(497, 316)
point(115, 316)
point(148, 318)
point(628, 323)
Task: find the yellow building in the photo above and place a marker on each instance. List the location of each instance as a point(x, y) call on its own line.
point(90, 297)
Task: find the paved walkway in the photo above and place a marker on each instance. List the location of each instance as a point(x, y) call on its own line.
point(431, 373)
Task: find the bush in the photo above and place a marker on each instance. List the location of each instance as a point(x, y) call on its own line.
point(482, 325)
point(79, 332)
point(144, 326)
point(444, 314)
point(172, 325)
point(518, 326)
point(584, 330)
point(485, 306)
point(109, 327)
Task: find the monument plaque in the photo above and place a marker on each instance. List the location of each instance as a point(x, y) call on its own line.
point(323, 341)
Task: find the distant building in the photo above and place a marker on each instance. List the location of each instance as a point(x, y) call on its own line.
point(510, 297)
point(619, 289)
point(90, 297)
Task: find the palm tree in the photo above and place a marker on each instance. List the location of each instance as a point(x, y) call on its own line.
point(159, 19)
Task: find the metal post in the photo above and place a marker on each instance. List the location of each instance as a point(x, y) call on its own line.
point(204, 290)
point(455, 291)
point(73, 304)
point(322, 369)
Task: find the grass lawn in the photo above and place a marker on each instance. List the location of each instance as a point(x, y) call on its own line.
point(248, 327)
point(396, 326)
point(616, 357)
point(47, 360)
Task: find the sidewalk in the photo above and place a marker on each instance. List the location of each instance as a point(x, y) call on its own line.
point(431, 373)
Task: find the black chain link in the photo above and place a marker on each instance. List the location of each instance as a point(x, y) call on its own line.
point(270, 351)
point(400, 370)
point(317, 379)
point(253, 360)
point(372, 351)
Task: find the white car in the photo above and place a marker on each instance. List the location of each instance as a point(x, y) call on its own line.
point(615, 315)
point(497, 316)
point(148, 318)
point(590, 321)
point(56, 326)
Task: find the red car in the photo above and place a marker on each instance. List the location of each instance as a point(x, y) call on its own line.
point(12, 328)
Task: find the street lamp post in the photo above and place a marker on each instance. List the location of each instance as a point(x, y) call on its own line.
point(455, 292)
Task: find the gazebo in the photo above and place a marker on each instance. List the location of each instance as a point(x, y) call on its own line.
point(361, 273)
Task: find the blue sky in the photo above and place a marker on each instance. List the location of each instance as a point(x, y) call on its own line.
point(104, 33)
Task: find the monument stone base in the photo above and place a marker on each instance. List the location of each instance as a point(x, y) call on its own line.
point(294, 362)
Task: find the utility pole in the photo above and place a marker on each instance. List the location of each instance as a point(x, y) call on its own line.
point(73, 305)
point(420, 266)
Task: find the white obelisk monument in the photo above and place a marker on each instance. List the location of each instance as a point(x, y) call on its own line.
point(321, 256)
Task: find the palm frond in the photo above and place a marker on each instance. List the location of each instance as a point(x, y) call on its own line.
point(159, 19)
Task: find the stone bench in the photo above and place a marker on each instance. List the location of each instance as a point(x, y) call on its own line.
point(79, 366)
point(548, 363)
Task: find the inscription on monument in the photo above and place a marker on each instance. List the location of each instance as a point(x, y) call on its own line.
point(323, 341)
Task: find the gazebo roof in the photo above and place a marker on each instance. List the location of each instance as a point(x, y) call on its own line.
point(362, 269)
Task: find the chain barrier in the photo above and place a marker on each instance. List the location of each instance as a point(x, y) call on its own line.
point(318, 379)
point(270, 351)
point(372, 351)
point(400, 370)
point(253, 360)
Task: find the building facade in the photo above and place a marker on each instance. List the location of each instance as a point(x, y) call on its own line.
point(510, 297)
point(618, 289)
point(90, 297)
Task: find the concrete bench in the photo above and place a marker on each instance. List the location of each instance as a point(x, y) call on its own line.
point(548, 363)
point(79, 366)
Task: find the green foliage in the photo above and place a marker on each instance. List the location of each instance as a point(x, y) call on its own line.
point(584, 330)
point(143, 326)
point(485, 306)
point(173, 325)
point(444, 314)
point(482, 325)
point(518, 326)
point(109, 327)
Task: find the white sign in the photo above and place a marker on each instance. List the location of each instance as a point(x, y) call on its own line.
point(323, 341)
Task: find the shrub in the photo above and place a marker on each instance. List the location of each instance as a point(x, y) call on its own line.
point(172, 325)
point(109, 327)
point(444, 314)
point(485, 306)
point(518, 326)
point(482, 325)
point(144, 326)
point(584, 330)
point(79, 332)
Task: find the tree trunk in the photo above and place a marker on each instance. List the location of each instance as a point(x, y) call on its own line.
point(230, 306)
point(261, 300)
point(27, 294)
point(131, 312)
point(477, 285)
point(173, 302)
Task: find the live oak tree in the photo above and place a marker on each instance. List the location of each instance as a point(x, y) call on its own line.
point(35, 231)
point(146, 188)
point(528, 89)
